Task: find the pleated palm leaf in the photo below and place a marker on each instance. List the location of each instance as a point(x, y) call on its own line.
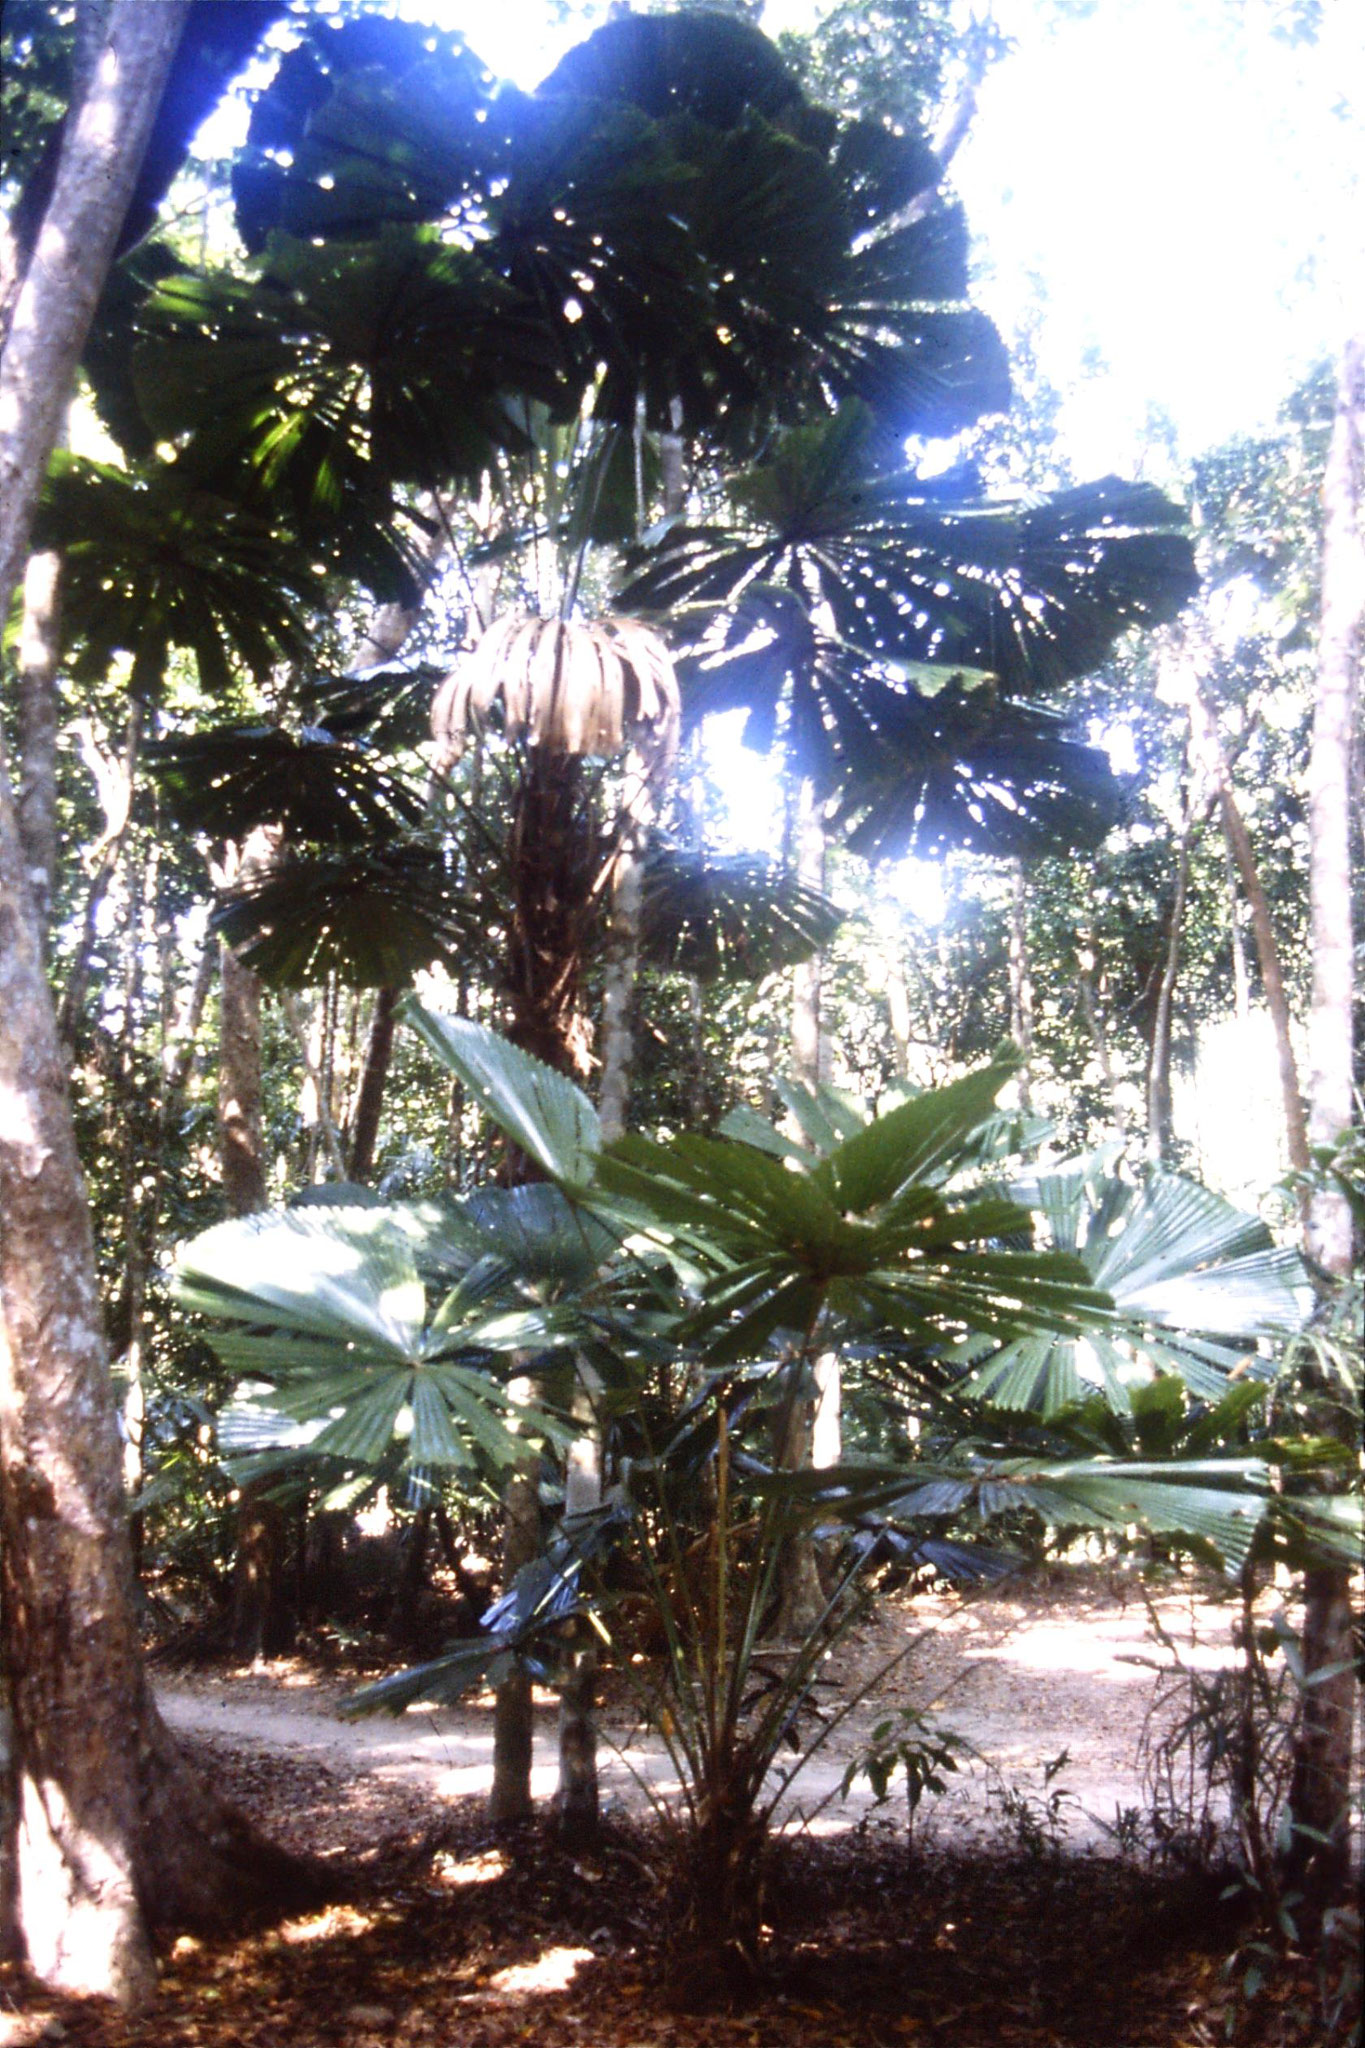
point(379, 1340)
point(915, 632)
point(1200, 1288)
point(151, 562)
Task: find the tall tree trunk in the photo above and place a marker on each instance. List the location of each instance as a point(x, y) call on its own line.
point(71, 1654)
point(807, 1050)
point(373, 1075)
point(1320, 1790)
point(513, 1715)
point(39, 658)
point(240, 1136)
point(1208, 751)
point(576, 1801)
point(552, 857)
point(1086, 961)
point(1160, 1126)
point(800, 1595)
point(115, 778)
point(1021, 979)
point(623, 952)
point(258, 1625)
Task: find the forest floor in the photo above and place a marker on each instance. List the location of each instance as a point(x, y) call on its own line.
point(1037, 1906)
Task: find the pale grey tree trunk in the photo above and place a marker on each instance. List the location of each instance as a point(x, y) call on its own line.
point(71, 1653)
point(800, 1595)
point(1320, 1790)
point(1021, 978)
point(39, 659)
point(623, 953)
point(1160, 1126)
point(1208, 751)
point(576, 1800)
point(56, 301)
point(115, 778)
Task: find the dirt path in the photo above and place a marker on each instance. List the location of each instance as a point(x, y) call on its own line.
point(1022, 1675)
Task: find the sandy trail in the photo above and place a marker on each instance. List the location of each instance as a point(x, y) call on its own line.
point(1021, 1675)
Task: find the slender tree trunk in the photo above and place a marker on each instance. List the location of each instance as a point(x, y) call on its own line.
point(1160, 1130)
point(513, 1714)
point(1241, 971)
point(1209, 753)
point(1320, 1790)
point(115, 778)
point(807, 1051)
point(370, 1096)
point(576, 1801)
point(623, 952)
point(241, 1141)
point(1085, 987)
point(39, 658)
point(1021, 979)
point(258, 1627)
point(800, 1595)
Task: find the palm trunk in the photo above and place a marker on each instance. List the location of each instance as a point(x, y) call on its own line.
point(551, 858)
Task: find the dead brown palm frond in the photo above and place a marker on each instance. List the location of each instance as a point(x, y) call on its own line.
point(571, 689)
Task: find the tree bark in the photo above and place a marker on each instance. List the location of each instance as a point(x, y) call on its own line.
point(71, 1653)
point(1209, 753)
point(1160, 1130)
point(576, 1799)
point(509, 1799)
point(115, 778)
point(241, 1141)
point(72, 1662)
point(623, 953)
point(39, 659)
point(369, 1100)
point(800, 1595)
point(101, 154)
point(1021, 979)
point(259, 1626)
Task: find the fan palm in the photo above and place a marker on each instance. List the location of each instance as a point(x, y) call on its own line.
point(1198, 1285)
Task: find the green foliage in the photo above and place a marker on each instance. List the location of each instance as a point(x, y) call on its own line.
point(350, 1355)
point(1196, 1282)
